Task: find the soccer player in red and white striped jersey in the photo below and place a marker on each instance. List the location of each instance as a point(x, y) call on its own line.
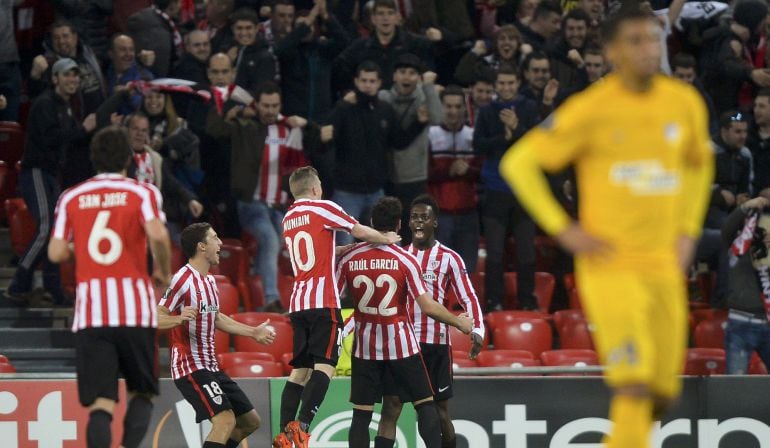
point(383, 280)
point(191, 307)
point(443, 270)
point(108, 220)
point(308, 231)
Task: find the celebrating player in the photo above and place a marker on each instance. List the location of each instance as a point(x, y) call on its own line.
point(644, 167)
point(194, 298)
point(382, 280)
point(308, 230)
point(109, 218)
point(442, 270)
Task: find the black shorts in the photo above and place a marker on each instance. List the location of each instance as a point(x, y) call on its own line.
point(405, 377)
point(104, 353)
point(210, 393)
point(317, 337)
point(438, 361)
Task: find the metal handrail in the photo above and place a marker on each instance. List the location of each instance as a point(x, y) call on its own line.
point(487, 371)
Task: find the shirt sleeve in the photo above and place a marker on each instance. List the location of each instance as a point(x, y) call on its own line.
point(415, 285)
point(175, 295)
point(152, 204)
point(335, 217)
point(62, 228)
point(341, 273)
point(557, 142)
point(461, 284)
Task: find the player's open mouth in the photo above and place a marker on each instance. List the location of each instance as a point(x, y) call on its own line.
point(419, 233)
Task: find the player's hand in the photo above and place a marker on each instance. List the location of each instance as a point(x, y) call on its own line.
point(196, 208)
point(578, 241)
point(464, 323)
point(147, 57)
point(327, 133)
point(342, 250)
point(685, 250)
point(188, 314)
point(478, 342)
point(264, 333)
point(434, 34)
point(757, 203)
point(392, 238)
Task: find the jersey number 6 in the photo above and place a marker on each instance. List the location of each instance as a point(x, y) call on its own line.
point(99, 233)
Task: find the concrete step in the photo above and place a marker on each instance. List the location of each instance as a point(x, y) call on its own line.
point(35, 317)
point(17, 338)
point(60, 360)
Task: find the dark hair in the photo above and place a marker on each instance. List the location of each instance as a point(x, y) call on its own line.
point(534, 56)
point(729, 117)
point(390, 4)
point(369, 67)
point(110, 150)
point(61, 23)
point(596, 51)
point(266, 88)
point(386, 214)
point(763, 92)
point(485, 74)
point(283, 2)
point(138, 114)
point(684, 60)
point(576, 14)
point(546, 7)
point(452, 90)
point(507, 69)
point(427, 200)
point(629, 11)
point(163, 4)
point(245, 14)
point(191, 236)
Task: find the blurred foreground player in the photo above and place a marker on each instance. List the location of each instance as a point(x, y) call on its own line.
point(193, 297)
point(442, 271)
point(108, 219)
point(383, 279)
point(640, 145)
point(308, 230)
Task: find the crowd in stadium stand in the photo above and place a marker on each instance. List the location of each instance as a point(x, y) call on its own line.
point(222, 99)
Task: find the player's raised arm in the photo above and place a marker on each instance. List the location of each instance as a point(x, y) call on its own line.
point(166, 320)
point(368, 234)
point(262, 333)
point(437, 311)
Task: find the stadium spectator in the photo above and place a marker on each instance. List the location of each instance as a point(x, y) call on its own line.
point(566, 51)
point(194, 62)
point(254, 64)
point(745, 235)
point(412, 96)
point(306, 56)
point(733, 175)
point(482, 91)
point(91, 20)
point(545, 23)
point(217, 25)
point(280, 23)
point(595, 64)
point(154, 29)
point(758, 141)
point(10, 76)
point(451, 16)
point(499, 125)
point(728, 70)
point(683, 67)
point(51, 133)
point(506, 49)
point(385, 45)
point(257, 175)
point(540, 87)
point(124, 67)
point(454, 176)
point(65, 43)
point(365, 130)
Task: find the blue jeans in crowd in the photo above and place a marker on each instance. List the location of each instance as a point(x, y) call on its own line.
point(461, 233)
point(10, 86)
point(264, 223)
point(742, 339)
point(357, 205)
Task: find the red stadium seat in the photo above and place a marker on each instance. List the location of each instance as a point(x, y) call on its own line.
point(221, 342)
point(283, 340)
point(572, 291)
point(7, 186)
point(710, 333)
point(258, 317)
point(569, 357)
point(256, 291)
point(177, 258)
point(477, 280)
point(545, 253)
point(4, 360)
point(285, 360)
point(229, 359)
point(495, 358)
point(545, 283)
point(12, 141)
point(21, 224)
point(706, 314)
point(576, 334)
point(756, 366)
point(7, 368)
point(497, 319)
point(234, 264)
point(68, 281)
point(284, 263)
point(463, 361)
point(705, 361)
point(255, 369)
point(285, 287)
point(462, 342)
point(561, 317)
point(228, 298)
point(533, 335)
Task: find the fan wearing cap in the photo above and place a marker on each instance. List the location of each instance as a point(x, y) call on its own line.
point(52, 132)
point(412, 95)
point(729, 74)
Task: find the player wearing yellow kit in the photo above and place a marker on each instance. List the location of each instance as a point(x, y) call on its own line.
point(640, 145)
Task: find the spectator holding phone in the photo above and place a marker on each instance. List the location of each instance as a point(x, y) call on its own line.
point(498, 126)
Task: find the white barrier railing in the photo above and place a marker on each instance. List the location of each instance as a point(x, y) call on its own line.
point(490, 371)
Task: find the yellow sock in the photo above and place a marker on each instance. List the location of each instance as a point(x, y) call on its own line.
point(632, 419)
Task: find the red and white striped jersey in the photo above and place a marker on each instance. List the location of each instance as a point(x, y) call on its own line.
point(104, 218)
point(443, 270)
point(282, 155)
point(192, 344)
point(382, 281)
point(308, 231)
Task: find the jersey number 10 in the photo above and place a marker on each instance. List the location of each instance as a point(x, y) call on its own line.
point(301, 238)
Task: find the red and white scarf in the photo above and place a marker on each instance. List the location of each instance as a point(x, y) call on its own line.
point(178, 43)
point(741, 246)
point(145, 172)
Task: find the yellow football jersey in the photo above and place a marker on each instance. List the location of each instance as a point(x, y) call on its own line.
point(644, 167)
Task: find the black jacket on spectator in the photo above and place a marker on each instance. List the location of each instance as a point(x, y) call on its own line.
point(370, 49)
point(51, 129)
point(744, 291)
point(190, 69)
point(760, 151)
point(90, 18)
point(151, 32)
point(733, 170)
point(175, 195)
point(363, 135)
point(472, 65)
point(254, 65)
point(723, 72)
point(563, 69)
point(306, 70)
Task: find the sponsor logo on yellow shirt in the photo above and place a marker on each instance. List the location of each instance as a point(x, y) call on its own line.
point(645, 177)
